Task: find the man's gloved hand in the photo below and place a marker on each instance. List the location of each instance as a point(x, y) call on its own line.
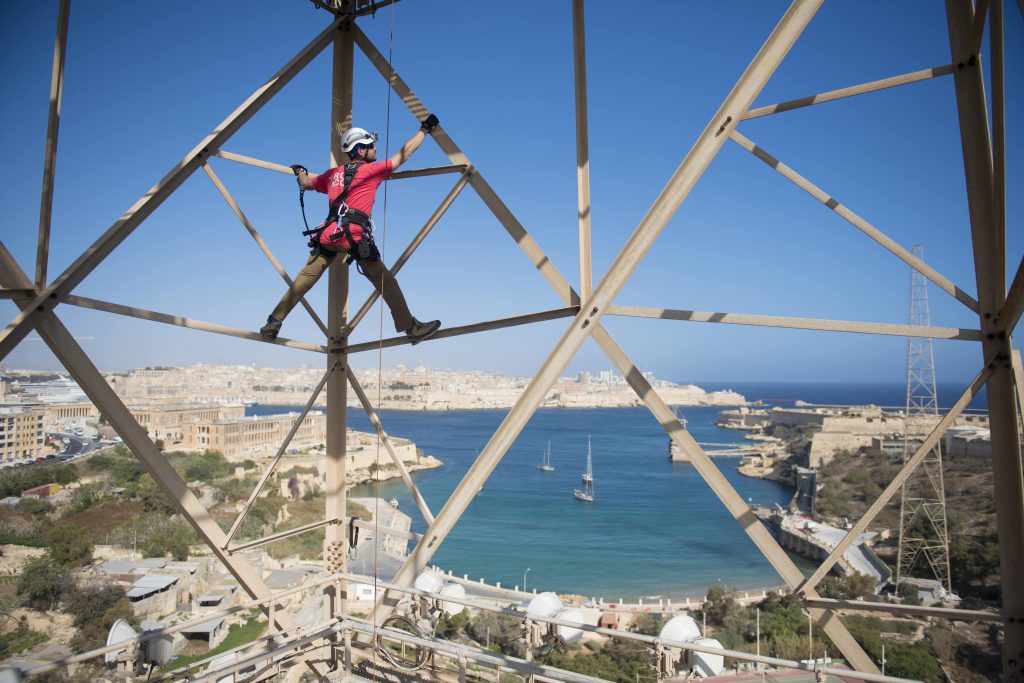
point(298, 167)
point(429, 124)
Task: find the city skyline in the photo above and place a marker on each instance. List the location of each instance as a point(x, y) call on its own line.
point(745, 241)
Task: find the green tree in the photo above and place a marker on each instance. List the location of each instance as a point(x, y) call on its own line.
point(501, 630)
point(451, 626)
point(69, 547)
point(41, 583)
point(847, 587)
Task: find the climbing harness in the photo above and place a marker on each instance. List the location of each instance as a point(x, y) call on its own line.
point(342, 215)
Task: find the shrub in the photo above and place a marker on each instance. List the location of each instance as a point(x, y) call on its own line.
point(41, 583)
point(69, 547)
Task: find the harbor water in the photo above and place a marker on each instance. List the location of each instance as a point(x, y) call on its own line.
point(654, 528)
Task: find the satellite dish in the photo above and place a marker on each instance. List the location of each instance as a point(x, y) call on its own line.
point(454, 590)
point(680, 628)
point(119, 633)
point(568, 634)
point(544, 605)
point(429, 581)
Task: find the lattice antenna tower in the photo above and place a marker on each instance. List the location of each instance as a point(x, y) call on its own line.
point(923, 530)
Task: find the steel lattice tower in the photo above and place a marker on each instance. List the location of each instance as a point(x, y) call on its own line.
point(923, 529)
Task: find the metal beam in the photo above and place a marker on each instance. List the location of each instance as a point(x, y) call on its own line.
point(280, 453)
point(1010, 315)
point(1018, 379)
point(998, 136)
point(259, 163)
point(336, 502)
point(430, 170)
point(180, 321)
point(413, 245)
point(857, 222)
point(958, 333)
point(280, 535)
point(901, 610)
point(85, 374)
point(371, 413)
point(446, 332)
point(1008, 477)
point(978, 27)
point(52, 131)
point(894, 486)
point(45, 301)
point(579, 42)
point(260, 243)
point(833, 95)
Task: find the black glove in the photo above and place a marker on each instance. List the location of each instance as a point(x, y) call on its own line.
point(298, 167)
point(429, 124)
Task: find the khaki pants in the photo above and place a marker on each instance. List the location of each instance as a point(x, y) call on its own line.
point(374, 271)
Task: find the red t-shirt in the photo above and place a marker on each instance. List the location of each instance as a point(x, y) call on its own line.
point(365, 182)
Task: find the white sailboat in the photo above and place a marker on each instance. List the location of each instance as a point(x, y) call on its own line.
point(545, 465)
point(587, 493)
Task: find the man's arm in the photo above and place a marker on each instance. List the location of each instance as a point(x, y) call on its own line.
point(411, 145)
point(400, 157)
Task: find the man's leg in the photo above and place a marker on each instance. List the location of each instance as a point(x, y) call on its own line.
point(315, 266)
point(386, 284)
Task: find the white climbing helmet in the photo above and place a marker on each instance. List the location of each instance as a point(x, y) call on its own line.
point(356, 136)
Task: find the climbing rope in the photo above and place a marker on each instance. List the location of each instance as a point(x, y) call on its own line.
point(380, 314)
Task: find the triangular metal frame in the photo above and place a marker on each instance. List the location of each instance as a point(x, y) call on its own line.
point(998, 310)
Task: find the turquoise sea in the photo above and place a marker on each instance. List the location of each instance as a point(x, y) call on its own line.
point(654, 528)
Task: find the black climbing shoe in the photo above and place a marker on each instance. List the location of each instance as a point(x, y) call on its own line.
point(270, 330)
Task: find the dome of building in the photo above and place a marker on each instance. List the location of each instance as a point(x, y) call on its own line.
point(704, 664)
point(544, 605)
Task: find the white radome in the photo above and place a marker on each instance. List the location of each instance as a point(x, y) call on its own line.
point(544, 605)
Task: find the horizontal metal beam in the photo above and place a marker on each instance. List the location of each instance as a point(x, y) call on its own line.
point(632, 636)
point(501, 323)
point(431, 170)
point(179, 321)
point(857, 222)
point(832, 95)
point(269, 165)
point(281, 168)
point(16, 293)
point(929, 332)
point(901, 610)
point(92, 257)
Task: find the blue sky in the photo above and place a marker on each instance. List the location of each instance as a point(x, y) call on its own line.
point(146, 81)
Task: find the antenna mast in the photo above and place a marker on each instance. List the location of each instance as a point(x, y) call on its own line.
point(923, 530)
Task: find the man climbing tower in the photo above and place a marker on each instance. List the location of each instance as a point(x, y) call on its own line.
point(351, 190)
